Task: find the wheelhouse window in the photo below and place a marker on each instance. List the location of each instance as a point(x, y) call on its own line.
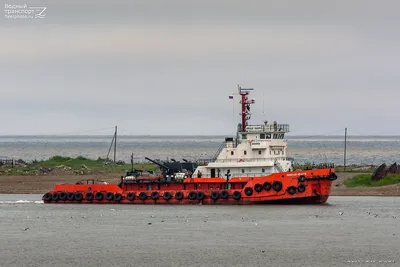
point(262, 136)
point(244, 136)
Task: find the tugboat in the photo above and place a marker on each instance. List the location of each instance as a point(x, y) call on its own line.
point(252, 168)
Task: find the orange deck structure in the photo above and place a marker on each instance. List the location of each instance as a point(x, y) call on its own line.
point(308, 186)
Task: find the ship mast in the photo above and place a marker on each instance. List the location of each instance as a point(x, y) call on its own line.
point(245, 103)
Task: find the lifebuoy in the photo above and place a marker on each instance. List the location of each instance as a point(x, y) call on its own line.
point(302, 178)
point(130, 196)
point(248, 191)
point(71, 196)
point(142, 196)
point(224, 194)
point(47, 197)
point(99, 196)
point(301, 188)
point(291, 190)
point(236, 195)
point(89, 196)
point(117, 197)
point(178, 195)
point(192, 195)
point(267, 186)
point(277, 186)
point(154, 195)
point(55, 196)
point(63, 196)
point(167, 195)
point(214, 195)
point(109, 196)
point(78, 196)
point(258, 188)
point(200, 195)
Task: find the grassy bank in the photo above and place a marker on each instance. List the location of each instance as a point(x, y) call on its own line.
point(78, 166)
point(338, 168)
point(366, 181)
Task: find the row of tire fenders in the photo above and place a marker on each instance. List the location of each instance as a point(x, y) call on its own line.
point(193, 195)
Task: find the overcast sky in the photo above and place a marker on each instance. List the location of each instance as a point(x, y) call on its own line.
point(168, 67)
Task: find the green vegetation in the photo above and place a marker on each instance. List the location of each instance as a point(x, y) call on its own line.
point(351, 168)
point(355, 168)
point(79, 165)
point(365, 180)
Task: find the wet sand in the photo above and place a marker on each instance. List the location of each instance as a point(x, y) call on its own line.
point(44, 183)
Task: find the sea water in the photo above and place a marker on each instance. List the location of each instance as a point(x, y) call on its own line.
point(347, 231)
point(360, 150)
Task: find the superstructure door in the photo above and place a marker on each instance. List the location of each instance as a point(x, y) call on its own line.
point(212, 173)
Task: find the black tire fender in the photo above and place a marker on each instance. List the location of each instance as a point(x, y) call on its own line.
point(89, 196)
point(142, 196)
point(258, 188)
point(78, 196)
point(224, 194)
point(192, 195)
point(332, 176)
point(179, 195)
point(248, 191)
point(214, 195)
point(47, 197)
point(109, 196)
point(63, 196)
point(277, 186)
point(154, 195)
point(267, 186)
point(131, 196)
point(302, 178)
point(99, 196)
point(117, 197)
point(71, 196)
point(301, 188)
point(167, 195)
point(200, 195)
point(55, 196)
point(236, 195)
point(291, 190)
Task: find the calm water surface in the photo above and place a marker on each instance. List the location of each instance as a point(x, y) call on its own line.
point(349, 231)
point(360, 150)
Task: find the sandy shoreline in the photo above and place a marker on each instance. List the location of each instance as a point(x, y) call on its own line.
point(44, 183)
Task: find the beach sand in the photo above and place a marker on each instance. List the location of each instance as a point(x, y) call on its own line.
point(44, 183)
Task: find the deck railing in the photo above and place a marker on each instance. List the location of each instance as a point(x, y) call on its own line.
point(272, 159)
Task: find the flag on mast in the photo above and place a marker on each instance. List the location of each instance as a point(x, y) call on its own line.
point(231, 97)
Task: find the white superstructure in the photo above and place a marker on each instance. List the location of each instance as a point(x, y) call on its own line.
point(257, 150)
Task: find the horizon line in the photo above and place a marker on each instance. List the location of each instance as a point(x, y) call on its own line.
point(187, 135)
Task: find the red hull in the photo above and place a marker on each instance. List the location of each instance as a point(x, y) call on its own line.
point(311, 186)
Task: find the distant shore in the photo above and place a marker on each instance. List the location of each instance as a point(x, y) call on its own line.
point(40, 184)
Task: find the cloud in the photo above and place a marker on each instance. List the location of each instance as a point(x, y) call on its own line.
point(168, 67)
point(181, 43)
